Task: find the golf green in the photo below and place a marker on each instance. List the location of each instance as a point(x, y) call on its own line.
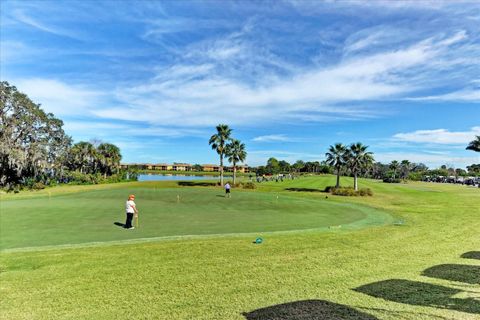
point(97, 215)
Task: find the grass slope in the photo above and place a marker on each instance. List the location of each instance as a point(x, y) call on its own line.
point(426, 269)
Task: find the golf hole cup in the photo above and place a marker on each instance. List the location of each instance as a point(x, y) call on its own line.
point(258, 240)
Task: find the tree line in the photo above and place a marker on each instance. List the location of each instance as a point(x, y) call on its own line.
point(35, 151)
point(356, 161)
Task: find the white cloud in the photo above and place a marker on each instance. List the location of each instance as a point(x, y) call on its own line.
point(272, 138)
point(468, 95)
point(204, 93)
point(59, 97)
point(28, 20)
point(87, 128)
point(438, 136)
point(431, 160)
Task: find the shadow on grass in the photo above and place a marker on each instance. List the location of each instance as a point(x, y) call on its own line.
point(196, 184)
point(308, 310)
point(455, 272)
point(471, 255)
point(119, 224)
point(420, 294)
point(303, 190)
point(395, 314)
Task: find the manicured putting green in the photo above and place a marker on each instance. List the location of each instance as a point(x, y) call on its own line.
point(91, 216)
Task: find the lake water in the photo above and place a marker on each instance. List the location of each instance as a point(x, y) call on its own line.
point(177, 177)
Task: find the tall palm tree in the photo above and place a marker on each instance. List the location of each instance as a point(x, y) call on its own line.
point(405, 167)
point(358, 158)
point(218, 142)
point(394, 165)
point(336, 158)
point(83, 157)
point(474, 145)
point(235, 151)
point(109, 157)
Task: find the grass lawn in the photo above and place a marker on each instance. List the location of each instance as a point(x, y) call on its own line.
point(63, 258)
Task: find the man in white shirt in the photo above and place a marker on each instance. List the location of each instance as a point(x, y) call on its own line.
point(227, 190)
point(131, 209)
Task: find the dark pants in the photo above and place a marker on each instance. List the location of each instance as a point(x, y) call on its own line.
point(128, 223)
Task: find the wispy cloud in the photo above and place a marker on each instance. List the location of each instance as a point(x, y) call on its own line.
point(431, 160)
point(438, 136)
point(238, 78)
point(28, 20)
point(176, 69)
point(272, 138)
point(313, 95)
point(59, 97)
point(468, 95)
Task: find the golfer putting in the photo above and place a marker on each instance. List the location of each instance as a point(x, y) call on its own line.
point(131, 210)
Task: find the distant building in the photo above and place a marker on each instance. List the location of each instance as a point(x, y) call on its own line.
point(181, 167)
point(177, 166)
point(211, 167)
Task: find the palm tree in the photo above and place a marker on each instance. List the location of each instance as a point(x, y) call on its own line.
point(358, 158)
point(218, 142)
point(235, 151)
point(336, 158)
point(394, 165)
point(109, 157)
point(83, 157)
point(405, 167)
point(474, 145)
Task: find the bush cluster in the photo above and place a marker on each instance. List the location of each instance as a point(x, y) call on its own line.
point(243, 185)
point(349, 192)
point(78, 178)
point(391, 180)
point(248, 185)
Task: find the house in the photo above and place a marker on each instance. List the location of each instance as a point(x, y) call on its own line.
point(181, 167)
point(163, 167)
point(210, 167)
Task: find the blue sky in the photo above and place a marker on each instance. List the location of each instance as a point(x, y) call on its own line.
point(290, 77)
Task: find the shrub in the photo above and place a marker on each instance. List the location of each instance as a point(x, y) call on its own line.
point(391, 180)
point(365, 192)
point(350, 192)
point(329, 189)
point(343, 191)
point(38, 186)
point(249, 185)
point(76, 177)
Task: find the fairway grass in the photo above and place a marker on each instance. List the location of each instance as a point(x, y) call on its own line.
point(426, 268)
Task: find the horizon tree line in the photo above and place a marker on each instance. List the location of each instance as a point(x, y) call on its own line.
point(337, 162)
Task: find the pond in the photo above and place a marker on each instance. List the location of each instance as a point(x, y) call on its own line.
point(171, 177)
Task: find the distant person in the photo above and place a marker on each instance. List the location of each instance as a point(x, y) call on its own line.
point(227, 190)
point(131, 209)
